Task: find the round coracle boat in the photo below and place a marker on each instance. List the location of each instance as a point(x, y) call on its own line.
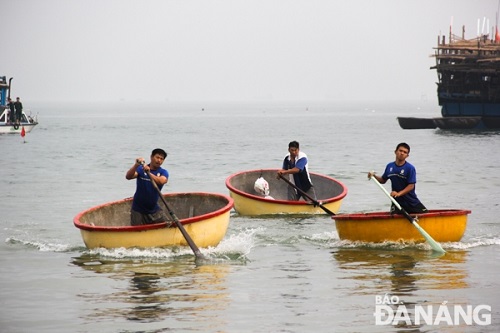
point(447, 225)
point(247, 201)
point(204, 216)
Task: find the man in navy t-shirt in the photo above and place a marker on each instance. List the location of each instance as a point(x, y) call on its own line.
point(403, 178)
point(145, 208)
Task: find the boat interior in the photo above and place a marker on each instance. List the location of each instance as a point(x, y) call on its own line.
point(184, 205)
point(325, 188)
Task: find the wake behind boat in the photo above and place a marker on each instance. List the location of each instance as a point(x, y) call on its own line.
point(247, 201)
point(446, 225)
point(8, 123)
point(205, 217)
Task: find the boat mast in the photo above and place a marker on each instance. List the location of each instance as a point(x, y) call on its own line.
point(10, 85)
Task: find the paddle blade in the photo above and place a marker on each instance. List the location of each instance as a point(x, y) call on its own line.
point(434, 245)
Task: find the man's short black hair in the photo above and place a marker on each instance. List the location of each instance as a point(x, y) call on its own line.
point(404, 145)
point(293, 144)
point(159, 151)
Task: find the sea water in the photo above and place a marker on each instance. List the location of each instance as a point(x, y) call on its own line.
point(282, 274)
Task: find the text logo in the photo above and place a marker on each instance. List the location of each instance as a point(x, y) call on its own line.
point(389, 310)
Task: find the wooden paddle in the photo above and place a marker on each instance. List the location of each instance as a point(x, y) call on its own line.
point(434, 245)
point(192, 245)
point(315, 202)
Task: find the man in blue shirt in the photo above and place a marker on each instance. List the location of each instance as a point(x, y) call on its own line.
point(145, 208)
point(403, 178)
point(12, 113)
point(296, 166)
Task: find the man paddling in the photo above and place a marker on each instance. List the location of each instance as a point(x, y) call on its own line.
point(295, 164)
point(403, 178)
point(145, 208)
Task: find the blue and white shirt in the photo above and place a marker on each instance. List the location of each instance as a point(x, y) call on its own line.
point(301, 179)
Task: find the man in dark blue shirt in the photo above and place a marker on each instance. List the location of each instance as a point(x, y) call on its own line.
point(145, 208)
point(19, 110)
point(12, 111)
point(403, 178)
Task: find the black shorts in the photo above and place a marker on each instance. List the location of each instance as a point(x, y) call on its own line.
point(137, 218)
point(418, 209)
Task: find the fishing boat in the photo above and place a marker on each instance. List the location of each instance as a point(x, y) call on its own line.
point(468, 74)
point(7, 124)
point(446, 225)
point(247, 201)
point(468, 86)
point(204, 216)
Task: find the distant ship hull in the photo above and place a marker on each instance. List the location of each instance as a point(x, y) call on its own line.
point(469, 81)
point(468, 87)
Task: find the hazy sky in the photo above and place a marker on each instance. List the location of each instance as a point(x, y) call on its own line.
point(229, 50)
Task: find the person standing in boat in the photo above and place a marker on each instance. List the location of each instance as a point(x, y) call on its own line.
point(403, 176)
point(12, 111)
point(19, 109)
point(296, 166)
point(145, 208)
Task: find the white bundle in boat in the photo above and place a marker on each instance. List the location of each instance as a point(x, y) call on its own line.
point(261, 186)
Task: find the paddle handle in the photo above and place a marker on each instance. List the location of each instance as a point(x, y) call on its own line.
point(404, 212)
point(408, 216)
point(298, 189)
point(386, 192)
point(307, 196)
point(178, 223)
